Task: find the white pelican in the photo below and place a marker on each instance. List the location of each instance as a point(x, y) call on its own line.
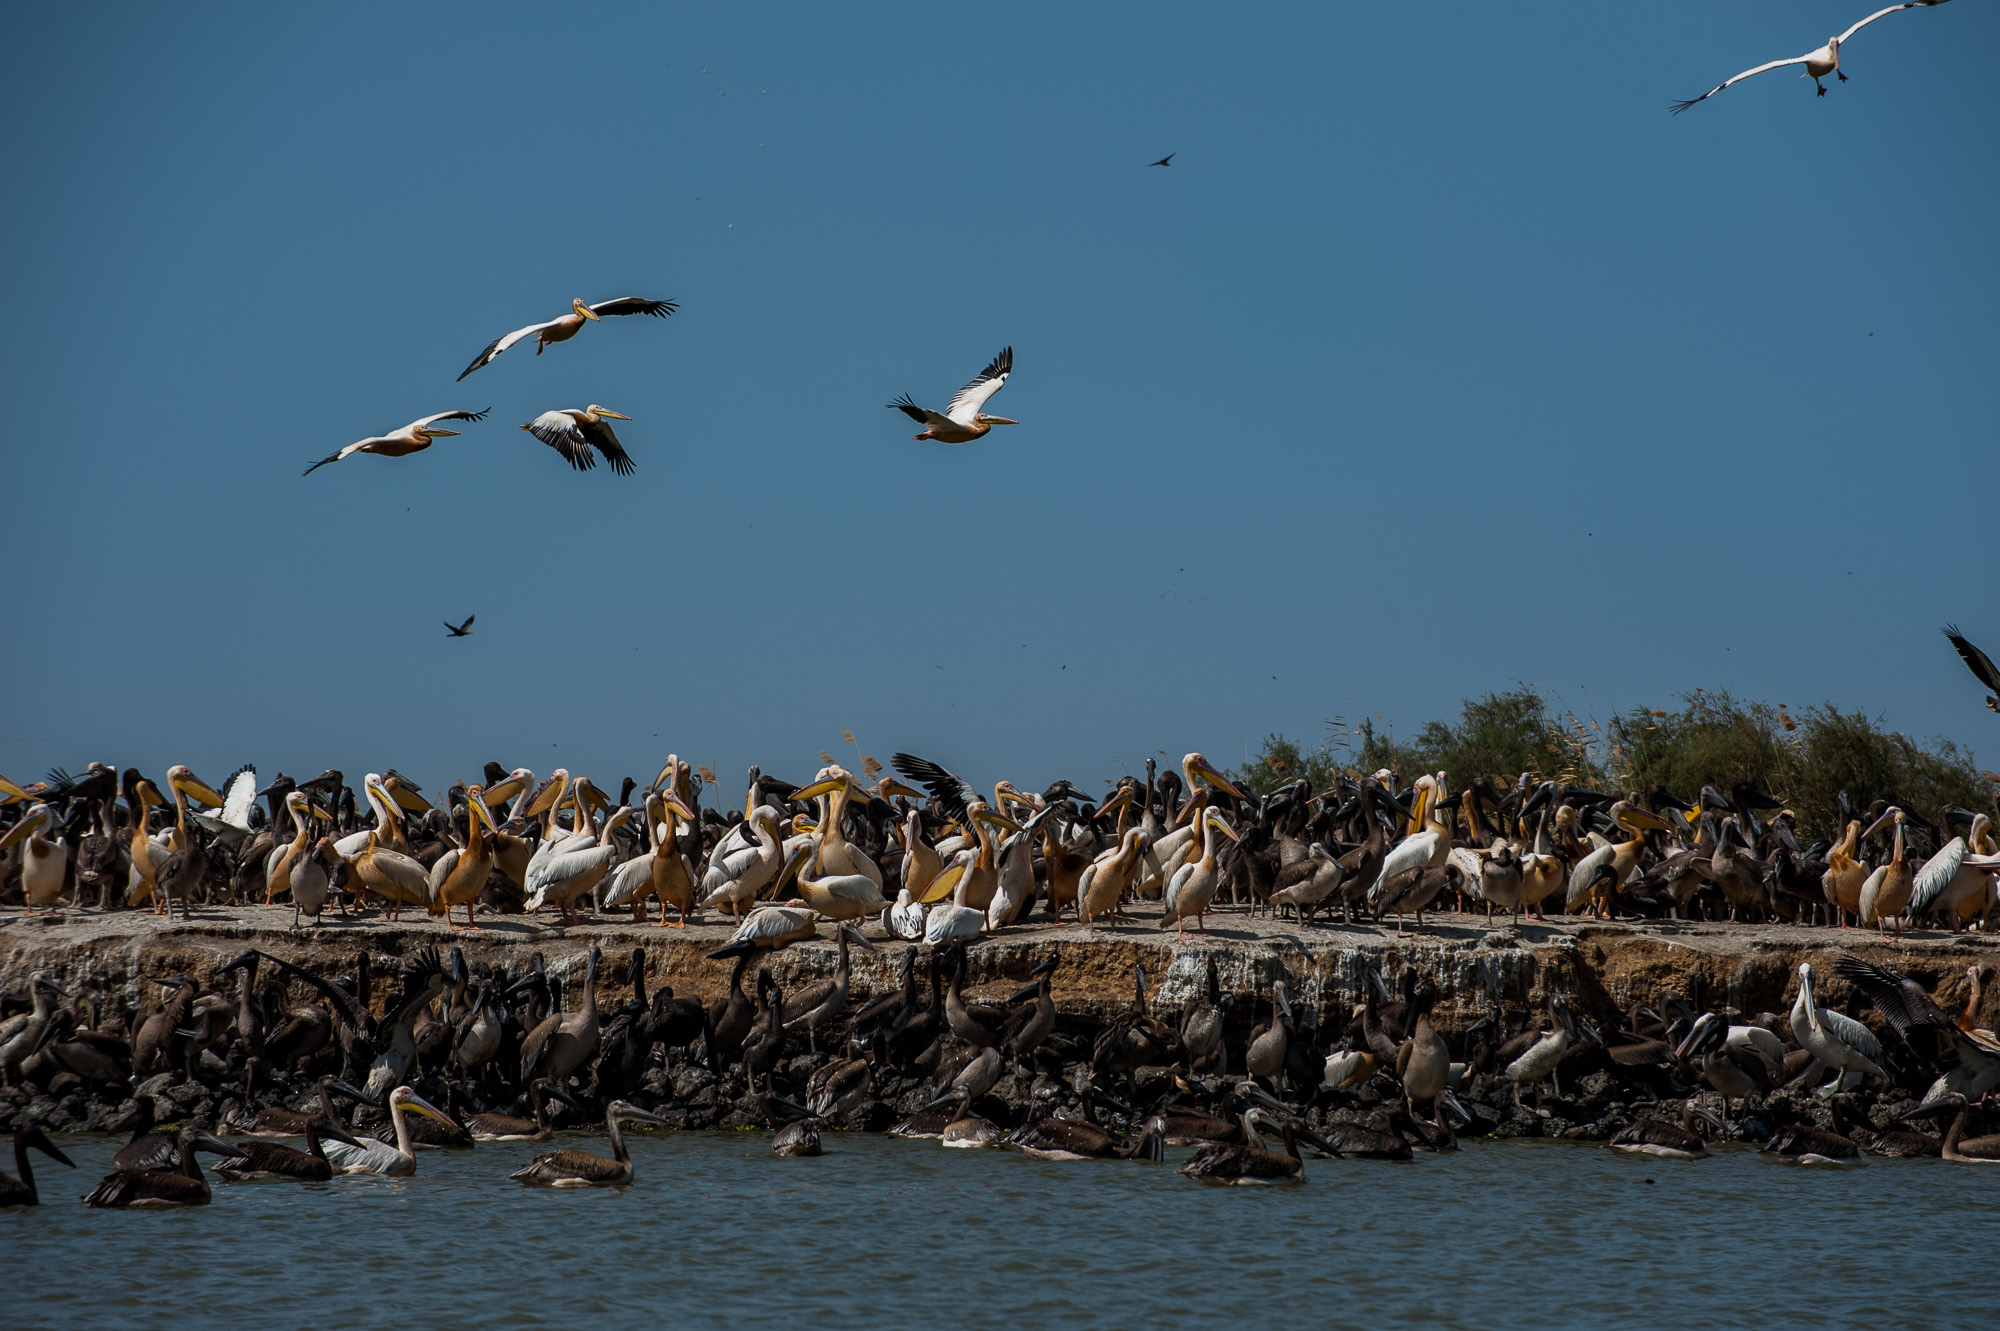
point(1834, 1038)
point(412, 438)
point(567, 326)
point(577, 865)
point(770, 929)
point(948, 922)
point(663, 871)
point(1819, 63)
point(835, 786)
point(283, 858)
point(1192, 888)
point(734, 880)
point(1622, 856)
point(373, 1157)
point(1952, 880)
point(1429, 841)
point(904, 917)
point(43, 861)
point(1887, 892)
point(460, 874)
point(962, 421)
point(843, 896)
point(1102, 885)
point(572, 433)
point(1541, 1058)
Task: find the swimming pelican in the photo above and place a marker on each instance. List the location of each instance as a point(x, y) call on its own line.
point(581, 1169)
point(573, 433)
point(564, 327)
point(507, 1128)
point(373, 1157)
point(270, 1161)
point(22, 1191)
point(1191, 890)
point(412, 438)
point(1834, 1038)
point(1819, 62)
point(1252, 1162)
point(962, 421)
point(43, 861)
point(1670, 1141)
point(153, 1188)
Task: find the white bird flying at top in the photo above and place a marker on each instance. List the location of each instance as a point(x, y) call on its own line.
point(572, 433)
point(567, 326)
point(962, 421)
point(412, 438)
point(1819, 63)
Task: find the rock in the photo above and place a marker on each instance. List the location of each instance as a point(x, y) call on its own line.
point(155, 1087)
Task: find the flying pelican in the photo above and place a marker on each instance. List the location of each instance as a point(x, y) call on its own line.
point(459, 630)
point(1168, 160)
point(962, 421)
point(412, 438)
point(572, 433)
point(1979, 663)
point(1819, 63)
point(567, 326)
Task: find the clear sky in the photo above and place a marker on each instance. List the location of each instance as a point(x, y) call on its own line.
point(1441, 358)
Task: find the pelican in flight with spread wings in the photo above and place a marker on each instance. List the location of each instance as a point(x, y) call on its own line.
point(1978, 662)
point(569, 325)
point(1818, 63)
point(962, 421)
point(573, 433)
point(412, 438)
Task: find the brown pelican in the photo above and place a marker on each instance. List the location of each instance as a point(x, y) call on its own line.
point(507, 1128)
point(1538, 1062)
point(962, 421)
point(564, 327)
point(412, 438)
point(1672, 1141)
point(373, 1157)
point(1250, 1163)
point(560, 1043)
point(581, 1169)
point(826, 1002)
point(21, 1191)
point(22, 1034)
point(1075, 1139)
point(269, 1161)
point(573, 433)
point(1956, 1147)
point(1819, 62)
point(149, 1188)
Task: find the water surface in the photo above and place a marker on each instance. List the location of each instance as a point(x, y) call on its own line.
point(881, 1232)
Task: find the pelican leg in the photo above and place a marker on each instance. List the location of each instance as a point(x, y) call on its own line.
point(1816, 84)
point(1840, 75)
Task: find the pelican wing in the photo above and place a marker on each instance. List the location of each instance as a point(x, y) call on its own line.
point(405, 873)
point(1580, 876)
point(559, 430)
point(950, 793)
point(965, 404)
point(1469, 863)
point(629, 879)
point(599, 433)
point(1978, 662)
point(948, 921)
point(659, 309)
point(921, 415)
point(1881, 13)
point(769, 924)
point(448, 416)
point(500, 344)
point(1679, 107)
point(1936, 875)
point(352, 844)
point(1410, 852)
point(442, 870)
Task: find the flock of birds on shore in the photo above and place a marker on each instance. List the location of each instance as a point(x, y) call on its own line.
point(961, 866)
point(947, 862)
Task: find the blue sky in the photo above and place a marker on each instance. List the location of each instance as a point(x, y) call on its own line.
point(1441, 358)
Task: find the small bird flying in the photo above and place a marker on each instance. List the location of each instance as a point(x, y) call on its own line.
point(412, 438)
point(1979, 663)
point(461, 630)
point(1167, 160)
point(962, 421)
point(567, 326)
point(574, 433)
point(1819, 63)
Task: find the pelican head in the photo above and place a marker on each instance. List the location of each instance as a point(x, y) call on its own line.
point(475, 800)
point(1215, 820)
point(187, 783)
point(585, 310)
point(595, 410)
point(993, 420)
point(37, 817)
point(1892, 814)
point(405, 1098)
point(1195, 766)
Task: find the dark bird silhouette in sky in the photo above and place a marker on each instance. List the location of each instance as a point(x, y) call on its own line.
point(461, 631)
point(1165, 161)
point(1978, 662)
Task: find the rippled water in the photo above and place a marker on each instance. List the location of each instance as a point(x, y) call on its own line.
point(880, 1232)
